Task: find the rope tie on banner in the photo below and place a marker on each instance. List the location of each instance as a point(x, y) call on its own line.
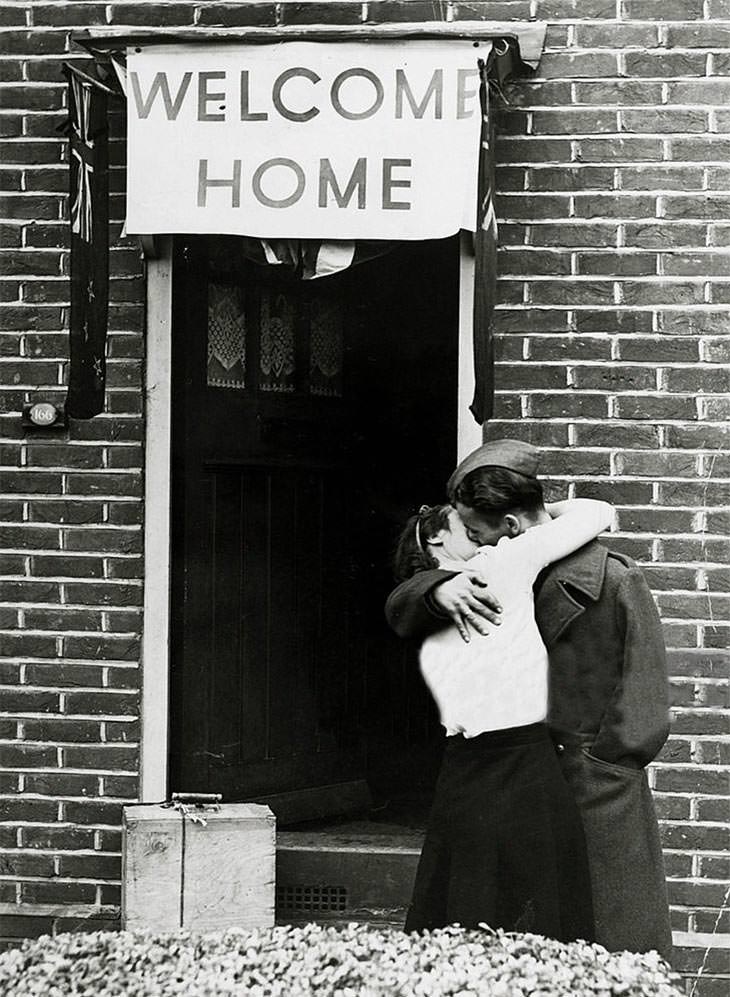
point(193, 806)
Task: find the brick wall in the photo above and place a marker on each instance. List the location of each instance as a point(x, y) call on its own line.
point(614, 321)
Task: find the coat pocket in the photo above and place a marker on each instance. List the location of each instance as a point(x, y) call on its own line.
point(619, 770)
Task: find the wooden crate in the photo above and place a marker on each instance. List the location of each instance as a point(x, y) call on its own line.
point(179, 873)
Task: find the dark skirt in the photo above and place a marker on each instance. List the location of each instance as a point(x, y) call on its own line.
point(504, 845)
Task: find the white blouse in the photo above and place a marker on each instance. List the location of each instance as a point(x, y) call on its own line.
point(500, 680)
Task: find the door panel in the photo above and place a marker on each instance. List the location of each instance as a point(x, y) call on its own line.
point(309, 419)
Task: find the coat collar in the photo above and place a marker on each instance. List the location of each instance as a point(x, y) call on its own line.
point(556, 606)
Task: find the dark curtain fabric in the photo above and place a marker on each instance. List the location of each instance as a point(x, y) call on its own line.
point(89, 216)
point(485, 252)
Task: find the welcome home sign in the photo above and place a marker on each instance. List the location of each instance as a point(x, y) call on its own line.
point(375, 140)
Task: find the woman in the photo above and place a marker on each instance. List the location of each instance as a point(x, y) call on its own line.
point(504, 844)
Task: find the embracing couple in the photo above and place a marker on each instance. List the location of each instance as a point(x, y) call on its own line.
point(543, 651)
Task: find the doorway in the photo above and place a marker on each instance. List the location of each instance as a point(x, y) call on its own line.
point(309, 418)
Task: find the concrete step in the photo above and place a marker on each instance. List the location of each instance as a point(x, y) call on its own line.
point(361, 871)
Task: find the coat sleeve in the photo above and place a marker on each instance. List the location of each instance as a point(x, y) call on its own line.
point(409, 610)
point(635, 724)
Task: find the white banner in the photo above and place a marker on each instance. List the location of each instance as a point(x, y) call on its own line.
point(375, 140)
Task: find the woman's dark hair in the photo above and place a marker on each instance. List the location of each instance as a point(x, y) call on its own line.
point(411, 552)
point(495, 491)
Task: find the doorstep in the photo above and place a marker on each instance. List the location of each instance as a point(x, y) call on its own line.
point(358, 871)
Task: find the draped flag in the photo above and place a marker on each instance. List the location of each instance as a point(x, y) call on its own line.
point(485, 263)
point(89, 216)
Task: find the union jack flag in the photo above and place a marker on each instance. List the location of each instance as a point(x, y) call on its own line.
point(89, 216)
point(82, 154)
point(485, 264)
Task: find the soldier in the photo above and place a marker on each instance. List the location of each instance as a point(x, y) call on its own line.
point(607, 699)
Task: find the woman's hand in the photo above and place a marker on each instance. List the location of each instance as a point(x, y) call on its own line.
point(467, 602)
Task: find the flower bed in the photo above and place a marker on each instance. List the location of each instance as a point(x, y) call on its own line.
point(355, 961)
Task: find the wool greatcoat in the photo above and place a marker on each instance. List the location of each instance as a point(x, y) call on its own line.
point(608, 714)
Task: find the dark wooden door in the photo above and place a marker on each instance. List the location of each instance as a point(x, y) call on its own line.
point(309, 417)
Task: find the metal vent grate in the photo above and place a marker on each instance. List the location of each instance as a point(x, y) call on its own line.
point(311, 899)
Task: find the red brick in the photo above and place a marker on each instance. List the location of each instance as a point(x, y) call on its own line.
point(236, 15)
point(693, 837)
point(32, 810)
point(108, 541)
point(26, 865)
point(552, 10)
point(659, 349)
point(702, 437)
point(695, 493)
point(700, 150)
point(655, 521)
point(662, 11)
point(502, 10)
point(122, 732)
point(716, 636)
point(568, 405)
point(574, 235)
point(60, 731)
point(709, 921)
point(124, 787)
point(101, 647)
point(525, 261)
point(91, 866)
point(661, 235)
point(669, 176)
point(102, 703)
point(671, 807)
point(627, 321)
point(712, 810)
point(575, 292)
point(110, 894)
point(705, 35)
point(577, 65)
point(574, 121)
point(693, 780)
point(619, 264)
point(29, 591)
point(677, 866)
point(63, 565)
point(655, 407)
point(63, 619)
point(111, 757)
point(314, 13)
point(617, 150)
point(59, 837)
point(93, 812)
point(568, 349)
point(128, 568)
point(669, 577)
point(149, 15)
point(525, 377)
point(619, 377)
point(25, 926)
point(57, 893)
point(30, 701)
point(381, 11)
point(615, 491)
point(662, 292)
point(533, 150)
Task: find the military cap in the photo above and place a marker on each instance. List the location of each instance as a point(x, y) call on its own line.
point(513, 455)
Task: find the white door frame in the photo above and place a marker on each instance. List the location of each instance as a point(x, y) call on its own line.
point(155, 739)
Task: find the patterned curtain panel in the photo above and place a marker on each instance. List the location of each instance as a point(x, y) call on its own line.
point(226, 336)
point(89, 215)
point(485, 265)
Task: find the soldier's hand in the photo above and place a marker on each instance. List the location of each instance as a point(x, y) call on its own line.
point(466, 600)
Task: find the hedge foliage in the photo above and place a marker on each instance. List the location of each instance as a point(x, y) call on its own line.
point(353, 961)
